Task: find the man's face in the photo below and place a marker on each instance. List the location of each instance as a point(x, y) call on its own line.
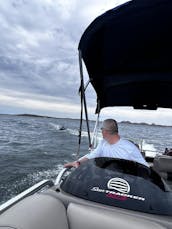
point(104, 132)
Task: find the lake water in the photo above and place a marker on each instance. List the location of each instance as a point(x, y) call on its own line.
point(34, 148)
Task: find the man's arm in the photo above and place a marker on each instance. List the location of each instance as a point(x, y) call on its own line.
point(75, 164)
point(95, 153)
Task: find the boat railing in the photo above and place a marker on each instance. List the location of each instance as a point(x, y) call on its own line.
point(35, 188)
point(60, 176)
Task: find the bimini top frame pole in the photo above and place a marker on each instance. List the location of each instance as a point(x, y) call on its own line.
point(83, 105)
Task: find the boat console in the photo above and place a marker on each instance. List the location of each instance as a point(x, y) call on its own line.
point(120, 183)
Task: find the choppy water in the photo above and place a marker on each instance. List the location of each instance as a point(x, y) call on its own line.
point(34, 148)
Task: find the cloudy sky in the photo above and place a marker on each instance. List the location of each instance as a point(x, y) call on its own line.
point(39, 71)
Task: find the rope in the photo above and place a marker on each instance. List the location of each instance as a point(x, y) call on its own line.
point(80, 128)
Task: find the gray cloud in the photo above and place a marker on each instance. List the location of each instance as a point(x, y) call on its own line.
point(39, 47)
point(39, 70)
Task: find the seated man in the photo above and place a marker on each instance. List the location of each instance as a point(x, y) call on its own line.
point(112, 145)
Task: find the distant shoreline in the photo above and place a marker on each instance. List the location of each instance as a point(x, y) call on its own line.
point(143, 123)
point(29, 115)
point(122, 122)
point(37, 116)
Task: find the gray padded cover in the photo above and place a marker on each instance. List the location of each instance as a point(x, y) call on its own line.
point(86, 217)
point(163, 163)
point(35, 212)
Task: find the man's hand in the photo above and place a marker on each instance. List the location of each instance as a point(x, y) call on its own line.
point(75, 164)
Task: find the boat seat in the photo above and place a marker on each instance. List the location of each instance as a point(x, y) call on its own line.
point(88, 217)
point(41, 211)
point(163, 165)
point(35, 212)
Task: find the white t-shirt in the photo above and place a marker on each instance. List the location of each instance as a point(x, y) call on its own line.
point(122, 149)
